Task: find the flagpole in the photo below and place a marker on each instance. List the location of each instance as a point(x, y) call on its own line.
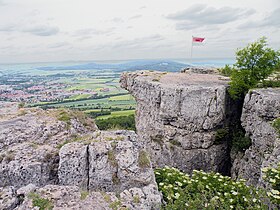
point(191, 49)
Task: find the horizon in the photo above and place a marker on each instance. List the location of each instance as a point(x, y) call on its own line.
point(180, 60)
point(88, 30)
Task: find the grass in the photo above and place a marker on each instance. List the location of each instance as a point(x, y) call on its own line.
point(84, 195)
point(127, 97)
point(276, 125)
point(115, 205)
point(117, 114)
point(112, 158)
point(80, 96)
point(143, 159)
point(42, 203)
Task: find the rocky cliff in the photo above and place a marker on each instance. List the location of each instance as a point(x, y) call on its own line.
point(261, 107)
point(60, 158)
point(178, 115)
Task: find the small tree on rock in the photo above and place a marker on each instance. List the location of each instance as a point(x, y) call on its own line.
point(254, 63)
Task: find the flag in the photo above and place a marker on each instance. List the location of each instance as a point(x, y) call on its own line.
point(197, 39)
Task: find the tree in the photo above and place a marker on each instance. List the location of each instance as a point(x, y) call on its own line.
point(254, 63)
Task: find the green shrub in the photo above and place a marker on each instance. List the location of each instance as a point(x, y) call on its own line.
point(276, 125)
point(221, 135)
point(240, 142)
point(254, 63)
point(206, 191)
point(226, 71)
point(122, 122)
point(272, 176)
point(270, 83)
point(42, 203)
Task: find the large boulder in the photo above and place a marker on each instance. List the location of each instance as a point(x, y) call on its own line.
point(178, 115)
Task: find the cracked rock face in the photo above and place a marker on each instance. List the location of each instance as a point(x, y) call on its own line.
point(110, 161)
point(177, 117)
point(261, 107)
point(29, 144)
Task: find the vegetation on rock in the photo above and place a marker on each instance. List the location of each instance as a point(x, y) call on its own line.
point(276, 125)
point(207, 191)
point(42, 203)
point(272, 176)
point(254, 64)
point(143, 159)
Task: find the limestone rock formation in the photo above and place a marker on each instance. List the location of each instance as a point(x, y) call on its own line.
point(109, 161)
point(178, 115)
point(72, 198)
point(261, 107)
point(29, 143)
point(60, 158)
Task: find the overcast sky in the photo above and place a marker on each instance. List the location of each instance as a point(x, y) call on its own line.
point(63, 30)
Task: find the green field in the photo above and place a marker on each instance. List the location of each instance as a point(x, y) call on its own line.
point(107, 98)
point(117, 114)
point(80, 96)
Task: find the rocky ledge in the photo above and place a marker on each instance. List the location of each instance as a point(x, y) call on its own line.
point(178, 115)
point(59, 157)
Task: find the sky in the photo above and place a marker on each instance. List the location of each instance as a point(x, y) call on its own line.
point(88, 30)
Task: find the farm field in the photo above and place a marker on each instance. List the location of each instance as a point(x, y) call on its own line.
point(96, 94)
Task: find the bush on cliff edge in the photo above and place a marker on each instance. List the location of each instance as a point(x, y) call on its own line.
point(254, 64)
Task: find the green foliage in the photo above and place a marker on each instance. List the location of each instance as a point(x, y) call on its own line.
point(21, 105)
point(115, 205)
point(226, 71)
point(84, 195)
point(276, 125)
point(112, 158)
point(143, 159)
point(272, 176)
point(42, 203)
point(270, 83)
point(206, 191)
point(221, 135)
point(122, 122)
point(254, 63)
point(240, 142)
point(64, 116)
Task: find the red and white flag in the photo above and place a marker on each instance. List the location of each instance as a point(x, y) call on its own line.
point(197, 39)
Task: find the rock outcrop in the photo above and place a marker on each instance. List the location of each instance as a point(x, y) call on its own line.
point(61, 158)
point(178, 115)
point(261, 107)
point(109, 161)
point(29, 143)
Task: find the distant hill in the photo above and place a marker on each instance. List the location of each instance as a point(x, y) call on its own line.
point(159, 65)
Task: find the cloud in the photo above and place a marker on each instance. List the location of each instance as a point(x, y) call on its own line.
point(42, 30)
point(117, 20)
point(272, 20)
point(200, 14)
point(7, 28)
point(92, 31)
point(35, 30)
point(139, 42)
point(135, 17)
point(59, 45)
point(2, 2)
